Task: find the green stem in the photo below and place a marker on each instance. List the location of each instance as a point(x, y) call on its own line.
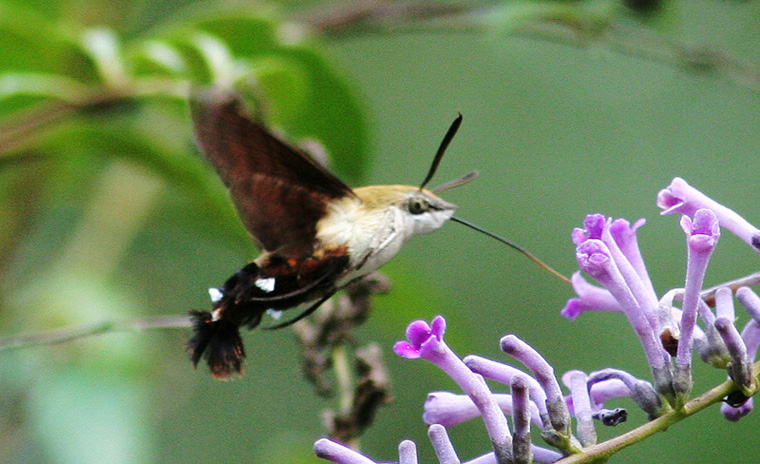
point(342, 368)
point(603, 451)
point(343, 377)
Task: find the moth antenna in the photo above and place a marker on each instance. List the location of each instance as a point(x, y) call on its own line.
point(517, 247)
point(456, 182)
point(442, 149)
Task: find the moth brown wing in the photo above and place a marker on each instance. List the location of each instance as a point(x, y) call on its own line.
point(279, 192)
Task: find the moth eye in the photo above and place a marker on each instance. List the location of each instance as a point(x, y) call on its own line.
point(418, 205)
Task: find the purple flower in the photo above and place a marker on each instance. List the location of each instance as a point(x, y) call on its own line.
point(504, 374)
point(449, 409)
point(593, 225)
point(590, 298)
point(724, 303)
point(680, 197)
point(751, 337)
point(621, 248)
point(625, 237)
point(620, 238)
point(521, 442)
point(750, 301)
point(608, 251)
point(735, 413)
point(444, 450)
point(618, 235)
point(702, 235)
point(640, 391)
point(576, 382)
point(407, 452)
point(559, 416)
point(426, 342)
point(601, 392)
point(740, 367)
point(335, 452)
point(595, 258)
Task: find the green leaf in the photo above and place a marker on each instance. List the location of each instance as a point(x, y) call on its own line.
point(42, 85)
point(332, 114)
point(297, 83)
point(32, 42)
point(245, 35)
point(157, 57)
point(156, 136)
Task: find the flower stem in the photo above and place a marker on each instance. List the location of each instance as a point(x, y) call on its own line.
point(603, 451)
point(343, 377)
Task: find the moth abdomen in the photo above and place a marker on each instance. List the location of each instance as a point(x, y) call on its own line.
point(219, 342)
point(276, 284)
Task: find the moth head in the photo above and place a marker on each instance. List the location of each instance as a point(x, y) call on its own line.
point(421, 210)
point(398, 212)
point(425, 211)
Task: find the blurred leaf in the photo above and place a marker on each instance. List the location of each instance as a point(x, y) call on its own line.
point(285, 85)
point(590, 18)
point(308, 98)
point(304, 94)
point(27, 41)
point(331, 114)
point(195, 65)
point(103, 47)
point(30, 41)
point(21, 181)
point(246, 35)
point(157, 57)
point(41, 85)
point(99, 428)
point(132, 140)
point(102, 137)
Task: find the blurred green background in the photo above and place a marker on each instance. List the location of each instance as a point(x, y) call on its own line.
point(569, 108)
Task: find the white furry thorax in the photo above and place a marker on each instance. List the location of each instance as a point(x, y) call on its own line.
point(375, 224)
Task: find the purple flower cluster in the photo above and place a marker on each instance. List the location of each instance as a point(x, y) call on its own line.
point(530, 395)
point(608, 251)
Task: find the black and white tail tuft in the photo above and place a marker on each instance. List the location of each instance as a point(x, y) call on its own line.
point(218, 342)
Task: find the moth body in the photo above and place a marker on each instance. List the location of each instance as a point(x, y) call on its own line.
point(316, 234)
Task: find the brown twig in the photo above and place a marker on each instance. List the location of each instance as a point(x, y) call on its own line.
point(559, 27)
point(346, 18)
point(372, 390)
point(324, 341)
point(74, 333)
point(333, 326)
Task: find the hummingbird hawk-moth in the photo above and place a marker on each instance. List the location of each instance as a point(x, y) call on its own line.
point(316, 233)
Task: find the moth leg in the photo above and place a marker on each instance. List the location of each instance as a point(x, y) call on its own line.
point(305, 313)
point(291, 295)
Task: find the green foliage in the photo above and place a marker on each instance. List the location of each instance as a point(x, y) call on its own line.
point(107, 213)
point(94, 137)
point(75, 98)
